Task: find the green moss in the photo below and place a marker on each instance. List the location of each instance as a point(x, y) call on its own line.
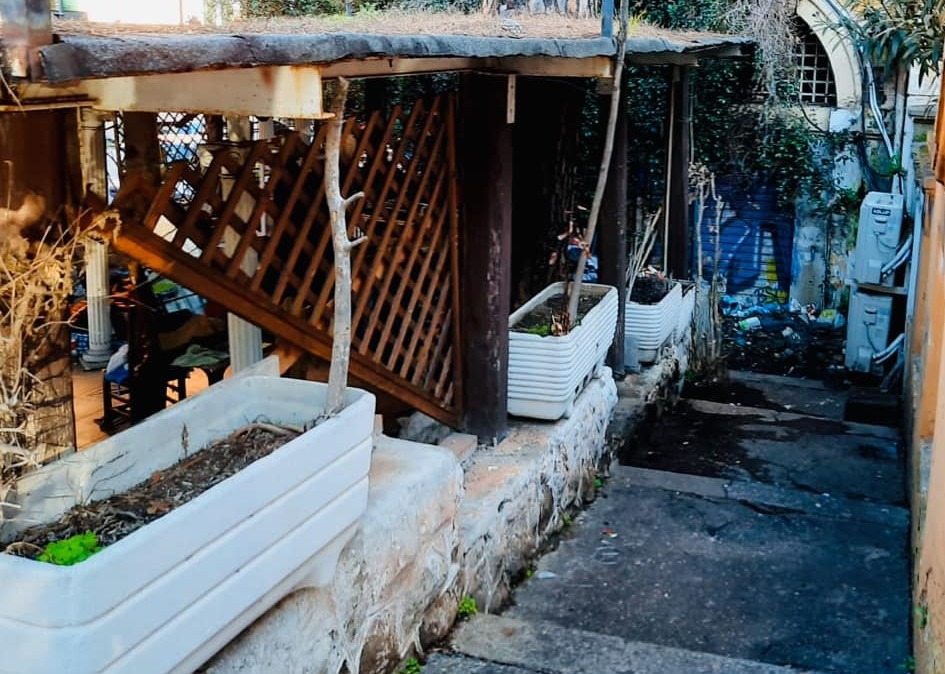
point(71, 550)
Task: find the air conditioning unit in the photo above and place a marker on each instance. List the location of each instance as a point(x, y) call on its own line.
point(877, 238)
point(867, 330)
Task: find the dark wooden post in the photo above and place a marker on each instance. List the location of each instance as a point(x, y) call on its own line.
point(27, 24)
point(142, 151)
point(678, 205)
point(485, 146)
point(612, 244)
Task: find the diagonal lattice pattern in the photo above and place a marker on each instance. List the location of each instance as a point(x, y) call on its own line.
point(269, 241)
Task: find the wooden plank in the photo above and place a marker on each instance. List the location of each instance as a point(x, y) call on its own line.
point(228, 215)
point(364, 294)
point(165, 194)
point(168, 261)
point(456, 390)
point(612, 246)
point(486, 160)
point(266, 91)
point(208, 186)
point(433, 162)
point(263, 199)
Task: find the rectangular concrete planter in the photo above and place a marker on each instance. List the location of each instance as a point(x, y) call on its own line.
point(687, 307)
point(651, 325)
point(546, 374)
point(170, 595)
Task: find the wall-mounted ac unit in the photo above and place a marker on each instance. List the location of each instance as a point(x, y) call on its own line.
point(867, 329)
point(877, 238)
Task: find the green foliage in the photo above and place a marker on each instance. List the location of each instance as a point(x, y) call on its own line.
point(71, 550)
point(269, 8)
point(467, 608)
point(893, 32)
point(412, 666)
point(922, 616)
point(908, 665)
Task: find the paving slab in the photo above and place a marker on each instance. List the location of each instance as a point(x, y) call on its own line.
point(784, 449)
point(735, 577)
point(776, 392)
point(451, 663)
point(537, 646)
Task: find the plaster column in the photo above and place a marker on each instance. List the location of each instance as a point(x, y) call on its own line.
point(92, 157)
point(96, 294)
point(244, 338)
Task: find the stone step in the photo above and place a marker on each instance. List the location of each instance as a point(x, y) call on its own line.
point(489, 644)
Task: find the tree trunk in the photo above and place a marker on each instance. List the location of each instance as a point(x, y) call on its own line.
point(342, 245)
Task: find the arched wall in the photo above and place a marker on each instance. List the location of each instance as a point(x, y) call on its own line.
point(822, 16)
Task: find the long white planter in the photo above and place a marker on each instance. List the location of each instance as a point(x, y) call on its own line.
point(652, 324)
point(546, 374)
point(170, 595)
point(687, 307)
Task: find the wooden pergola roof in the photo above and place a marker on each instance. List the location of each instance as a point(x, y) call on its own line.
point(279, 71)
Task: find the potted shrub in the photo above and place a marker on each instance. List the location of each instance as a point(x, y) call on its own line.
point(652, 313)
point(170, 594)
point(547, 371)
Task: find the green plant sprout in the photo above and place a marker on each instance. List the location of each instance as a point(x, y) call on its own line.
point(467, 608)
point(71, 550)
point(412, 666)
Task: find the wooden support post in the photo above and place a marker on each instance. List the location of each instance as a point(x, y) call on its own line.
point(142, 151)
point(485, 239)
point(677, 254)
point(27, 24)
point(612, 244)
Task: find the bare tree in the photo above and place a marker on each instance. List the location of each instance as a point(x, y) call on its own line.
point(342, 245)
point(594, 216)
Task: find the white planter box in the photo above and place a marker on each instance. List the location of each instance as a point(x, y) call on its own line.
point(546, 374)
point(170, 595)
point(652, 324)
point(687, 307)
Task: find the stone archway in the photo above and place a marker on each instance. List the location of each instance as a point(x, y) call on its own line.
point(823, 18)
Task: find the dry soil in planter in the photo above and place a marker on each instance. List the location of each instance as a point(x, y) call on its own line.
point(538, 320)
point(650, 289)
point(113, 518)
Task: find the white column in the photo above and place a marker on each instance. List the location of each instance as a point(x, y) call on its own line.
point(96, 294)
point(245, 339)
point(92, 158)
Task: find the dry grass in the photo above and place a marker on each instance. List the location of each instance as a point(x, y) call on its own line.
point(389, 22)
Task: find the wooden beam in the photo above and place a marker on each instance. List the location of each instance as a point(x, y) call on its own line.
point(266, 91)
point(486, 188)
point(142, 151)
point(678, 201)
point(612, 244)
point(27, 24)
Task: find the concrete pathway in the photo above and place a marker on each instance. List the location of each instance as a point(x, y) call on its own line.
point(734, 540)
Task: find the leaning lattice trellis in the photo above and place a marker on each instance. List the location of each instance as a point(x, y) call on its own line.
point(263, 250)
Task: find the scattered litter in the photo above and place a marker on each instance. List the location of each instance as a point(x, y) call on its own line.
point(545, 575)
point(609, 533)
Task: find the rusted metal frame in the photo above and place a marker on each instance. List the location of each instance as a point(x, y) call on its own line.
point(164, 194)
point(380, 201)
point(416, 286)
point(425, 357)
point(318, 259)
point(263, 199)
point(427, 297)
point(161, 256)
point(432, 162)
point(308, 158)
point(453, 205)
point(229, 210)
point(209, 183)
point(409, 176)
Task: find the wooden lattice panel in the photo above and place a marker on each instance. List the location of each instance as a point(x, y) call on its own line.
point(257, 235)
